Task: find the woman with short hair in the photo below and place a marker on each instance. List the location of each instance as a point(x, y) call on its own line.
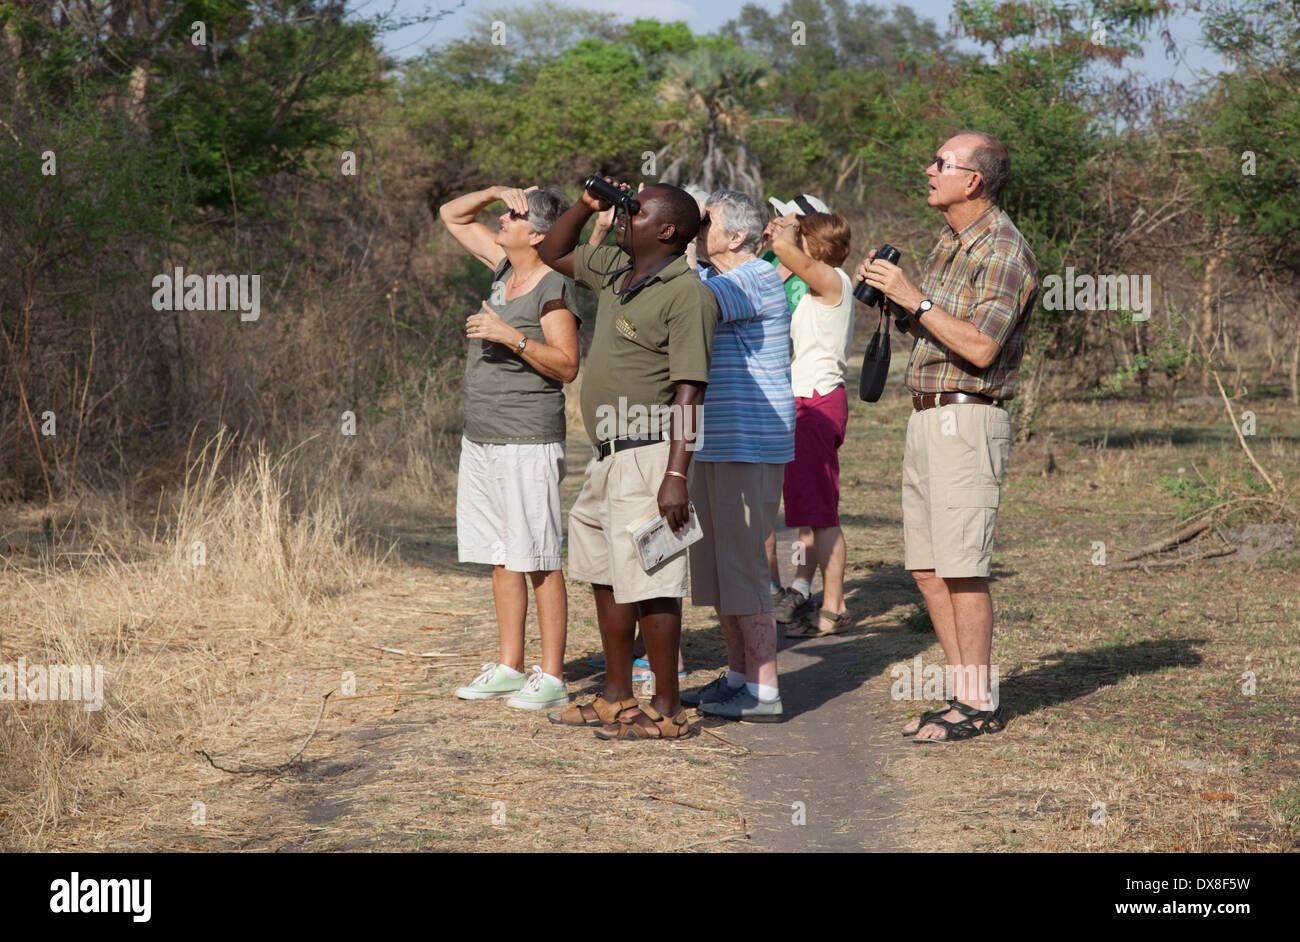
point(523, 348)
point(814, 246)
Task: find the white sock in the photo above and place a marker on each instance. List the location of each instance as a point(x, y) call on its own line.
point(735, 679)
point(763, 693)
point(775, 586)
point(803, 586)
point(510, 671)
point(554, 678)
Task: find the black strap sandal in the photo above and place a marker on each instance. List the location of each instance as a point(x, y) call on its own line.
point(965, 728)
point(995, 721)
point(928, 717)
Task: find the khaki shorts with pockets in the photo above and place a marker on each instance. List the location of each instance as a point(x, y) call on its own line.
point(623, 489)
point(953, 463)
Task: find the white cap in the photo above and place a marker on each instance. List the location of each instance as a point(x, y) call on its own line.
point(800, 205)
point(700, 194)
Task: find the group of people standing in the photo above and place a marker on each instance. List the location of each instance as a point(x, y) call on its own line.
point(737, 358)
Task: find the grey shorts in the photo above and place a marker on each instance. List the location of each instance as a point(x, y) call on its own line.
point(736, 503)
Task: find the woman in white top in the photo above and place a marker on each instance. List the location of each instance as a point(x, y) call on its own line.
point(813, 246)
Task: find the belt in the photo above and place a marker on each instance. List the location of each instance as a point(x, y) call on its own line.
point(614, 446)
point(930, 400)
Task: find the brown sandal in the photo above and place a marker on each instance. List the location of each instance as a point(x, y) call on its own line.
point(605, 711)
point(840, 621)
point(664, 728)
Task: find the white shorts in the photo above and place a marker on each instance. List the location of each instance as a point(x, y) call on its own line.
point(508, 505)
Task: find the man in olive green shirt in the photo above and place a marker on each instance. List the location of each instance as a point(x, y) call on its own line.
point(645, 378)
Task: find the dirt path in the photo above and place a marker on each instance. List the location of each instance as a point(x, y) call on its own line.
point(829, 787)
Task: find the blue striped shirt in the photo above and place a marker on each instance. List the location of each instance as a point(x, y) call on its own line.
point(748, 405)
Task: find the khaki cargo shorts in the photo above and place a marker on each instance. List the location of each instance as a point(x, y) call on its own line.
point(623, 489)
point(953, 463)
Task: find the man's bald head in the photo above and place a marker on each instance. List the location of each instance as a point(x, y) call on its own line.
point(671, 205)
point(988, 156)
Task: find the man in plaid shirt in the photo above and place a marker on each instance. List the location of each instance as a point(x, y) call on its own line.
point(969, 317)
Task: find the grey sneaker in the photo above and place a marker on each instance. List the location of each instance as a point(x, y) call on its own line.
point(713, 692)
point(791, 604)
point(743, 705)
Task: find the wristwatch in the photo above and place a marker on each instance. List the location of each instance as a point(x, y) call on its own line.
point(921, 308)
point(519, 347)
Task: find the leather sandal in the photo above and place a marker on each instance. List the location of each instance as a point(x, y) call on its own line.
point(840, 621)
point(664, 728)
point(605, 711)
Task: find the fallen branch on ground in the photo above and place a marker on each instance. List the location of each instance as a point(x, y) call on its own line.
point(283, 766)
point(673, 801)
point(1182, 536)
point(1181, 560)
point(1244, 447)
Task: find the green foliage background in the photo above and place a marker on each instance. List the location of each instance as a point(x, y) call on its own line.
point(227, 157)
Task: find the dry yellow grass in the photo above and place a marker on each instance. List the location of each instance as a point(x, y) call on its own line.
point(232, 657)
point(1125, 685)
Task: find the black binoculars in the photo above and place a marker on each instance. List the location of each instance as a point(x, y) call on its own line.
point(864, 292)
point(602, 189)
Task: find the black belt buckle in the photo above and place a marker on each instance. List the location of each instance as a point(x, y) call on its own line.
point(615, 445)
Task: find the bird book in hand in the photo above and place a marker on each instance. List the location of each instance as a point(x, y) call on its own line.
point(655, 541)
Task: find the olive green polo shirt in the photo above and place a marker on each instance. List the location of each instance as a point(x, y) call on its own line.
point(646, 340)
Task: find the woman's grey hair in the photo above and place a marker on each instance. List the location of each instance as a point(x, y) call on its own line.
point(544, 207)
point(735, 211)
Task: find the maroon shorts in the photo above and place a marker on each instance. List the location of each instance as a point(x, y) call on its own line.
point(812, 481)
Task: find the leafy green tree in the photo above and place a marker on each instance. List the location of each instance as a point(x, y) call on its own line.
point(1252, 125)
point(834, 34)
point(510, 44)
point(709, 93)
point(589, 109)
point(655, 42)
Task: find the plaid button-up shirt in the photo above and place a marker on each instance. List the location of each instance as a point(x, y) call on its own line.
point(987, 275)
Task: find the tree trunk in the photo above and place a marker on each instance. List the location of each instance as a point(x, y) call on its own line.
point(1212, 264)
point(1140, 345)
point(1295, 370)
point(1030, 403)
point(137, 90)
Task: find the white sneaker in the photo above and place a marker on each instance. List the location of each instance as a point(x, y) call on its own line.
point(539, 692)
point(493, 682)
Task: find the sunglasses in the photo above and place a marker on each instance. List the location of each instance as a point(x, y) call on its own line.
point(524, 215)
point(942, 163)
point(704, 220)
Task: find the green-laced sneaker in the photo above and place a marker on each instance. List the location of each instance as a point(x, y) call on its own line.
point(493, 682)
point(539, 692)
